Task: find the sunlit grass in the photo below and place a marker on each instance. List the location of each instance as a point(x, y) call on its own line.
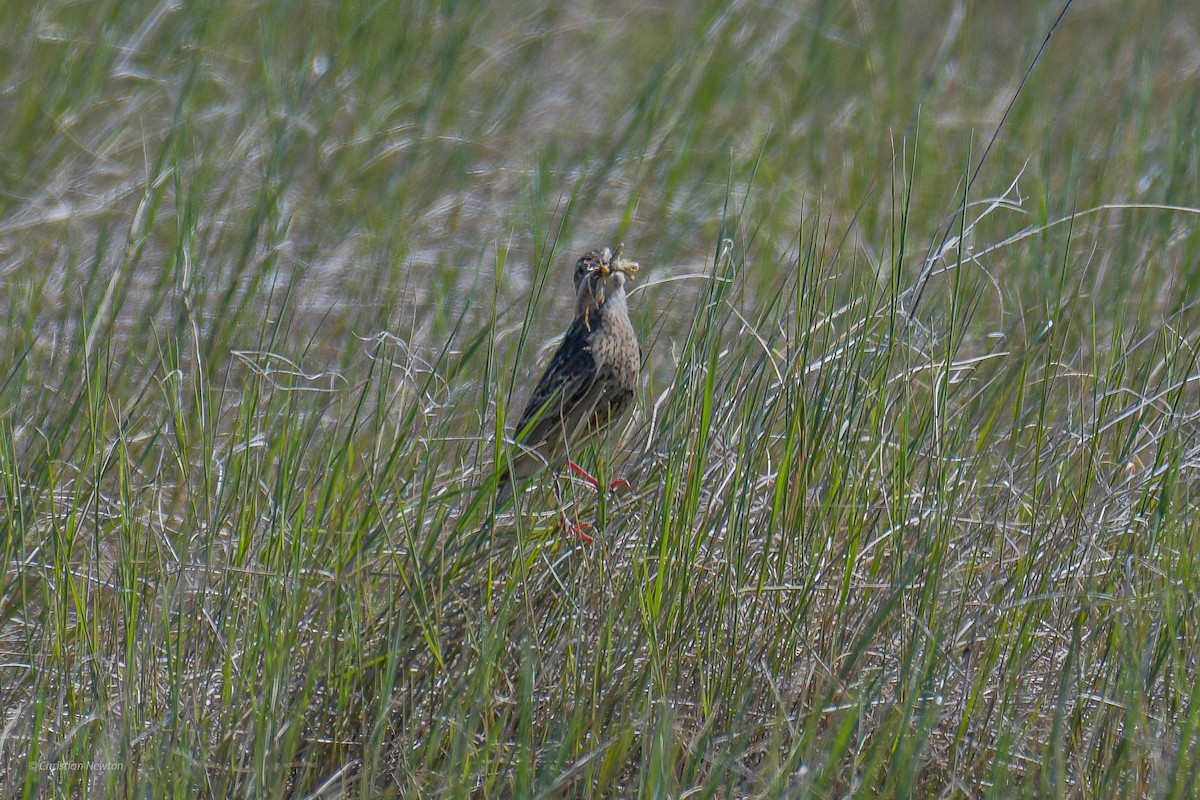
point(914, 498)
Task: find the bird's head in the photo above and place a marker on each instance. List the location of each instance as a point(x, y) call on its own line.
point(600, 274)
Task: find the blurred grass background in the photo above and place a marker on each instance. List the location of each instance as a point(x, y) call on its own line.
point(915, 504)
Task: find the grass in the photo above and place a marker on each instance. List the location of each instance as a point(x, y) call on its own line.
point(914, 462)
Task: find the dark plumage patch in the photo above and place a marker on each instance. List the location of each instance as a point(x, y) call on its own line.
point(565, 381)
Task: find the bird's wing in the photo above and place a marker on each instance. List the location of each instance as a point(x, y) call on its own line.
point(603, 405)
point(562, 390)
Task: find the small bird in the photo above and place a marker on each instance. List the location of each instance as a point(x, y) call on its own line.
point(590, 382)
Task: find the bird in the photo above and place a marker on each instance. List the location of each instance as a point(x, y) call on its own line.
point(590, 382)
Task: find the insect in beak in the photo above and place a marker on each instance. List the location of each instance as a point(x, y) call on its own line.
point(618, 264)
